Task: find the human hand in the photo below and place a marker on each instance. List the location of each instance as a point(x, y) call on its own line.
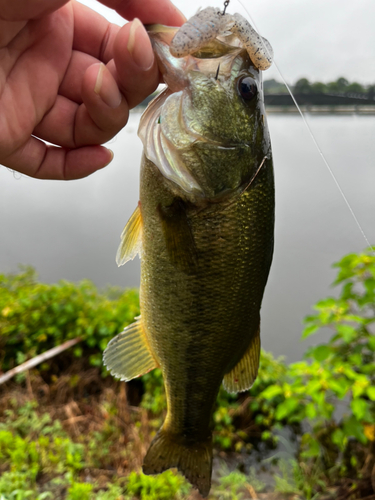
point(69, 77)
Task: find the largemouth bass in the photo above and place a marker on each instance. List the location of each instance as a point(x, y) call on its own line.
point(204, 230)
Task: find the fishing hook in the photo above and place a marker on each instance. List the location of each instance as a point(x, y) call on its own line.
point(217, 72)
point(226, 3)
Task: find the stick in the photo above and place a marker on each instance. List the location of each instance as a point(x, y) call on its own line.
point(38, 359)
point(251, 490)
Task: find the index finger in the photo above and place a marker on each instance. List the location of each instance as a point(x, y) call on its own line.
point(94, 35)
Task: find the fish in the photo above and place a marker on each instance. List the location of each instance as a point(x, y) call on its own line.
point(204, 230)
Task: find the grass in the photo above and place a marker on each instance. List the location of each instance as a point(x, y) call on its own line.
point(53, 446)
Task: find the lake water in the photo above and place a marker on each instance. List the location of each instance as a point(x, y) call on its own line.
point(71, 230)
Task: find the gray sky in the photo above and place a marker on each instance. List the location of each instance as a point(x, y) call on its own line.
point(316, 39)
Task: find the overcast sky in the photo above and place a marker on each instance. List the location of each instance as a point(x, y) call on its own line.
point(317, 39)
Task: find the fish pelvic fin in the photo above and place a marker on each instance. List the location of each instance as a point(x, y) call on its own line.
point(128, 355)
point(243, 375)
point(193, 460)
point(131, 238)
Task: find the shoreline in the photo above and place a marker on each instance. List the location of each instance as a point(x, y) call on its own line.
point(323, 110)
point(306, 109)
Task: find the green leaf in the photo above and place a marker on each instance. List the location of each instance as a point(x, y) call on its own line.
point(340, 386)
point(371, 342)
point(266, 435)
point(353, 428)
point(350, 373)
point(370, 285)
point(78, 351)
point(311, 411)
point(286, 408)
point(347, 332)
point(371, 393)
point(321, 352)
point(311, 446)
point(313, 387)
point(326, 303)
point(271, 392)
point(309, 330)
point(359, 407)
point(355, 359)
point(360, 385)
point(339, 439)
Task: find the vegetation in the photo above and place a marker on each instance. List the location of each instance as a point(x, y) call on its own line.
point(339, 373)
point(68, 430)
point(36, 317)
point(341, 86)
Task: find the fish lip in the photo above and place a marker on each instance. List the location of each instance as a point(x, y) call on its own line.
point(175, 70)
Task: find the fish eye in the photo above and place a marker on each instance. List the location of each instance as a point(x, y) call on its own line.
point(247, 88)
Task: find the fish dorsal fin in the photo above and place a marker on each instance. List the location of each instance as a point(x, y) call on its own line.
point(128, 355)
point(131, 238)
point(178, 236)
point(243, 375)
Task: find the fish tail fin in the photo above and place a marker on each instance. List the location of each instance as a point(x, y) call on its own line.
point(193, 460)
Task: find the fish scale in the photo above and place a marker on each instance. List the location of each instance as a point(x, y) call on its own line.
point(204, 319)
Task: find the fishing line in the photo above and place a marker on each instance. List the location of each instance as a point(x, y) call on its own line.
point(314, 140)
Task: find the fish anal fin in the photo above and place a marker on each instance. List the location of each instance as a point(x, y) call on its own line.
point(131, 238)
point(243, 375)
point(178, 236)
point(128, 355)
point(193, 460)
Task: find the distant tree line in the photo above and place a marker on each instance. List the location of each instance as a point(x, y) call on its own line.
point(341, 86)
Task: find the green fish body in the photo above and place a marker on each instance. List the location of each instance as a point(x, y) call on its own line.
point(204, 229)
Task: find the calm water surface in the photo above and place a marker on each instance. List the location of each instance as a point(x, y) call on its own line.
point(71, 230)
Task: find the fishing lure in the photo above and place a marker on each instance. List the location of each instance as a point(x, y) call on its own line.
point(209, 23)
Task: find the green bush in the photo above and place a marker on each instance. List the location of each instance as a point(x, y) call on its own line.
point(165, 486)
point(304, 396)
point(340, 371)
point(33, 447)
point(29, 444)
point(35, 317)
point(80, 491)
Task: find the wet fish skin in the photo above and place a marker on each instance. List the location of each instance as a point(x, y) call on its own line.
point(205, 263)
point(201, 308)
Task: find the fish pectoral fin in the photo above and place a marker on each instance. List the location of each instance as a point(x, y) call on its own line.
point(193, 460)
point(131, 238)
point(243, 375)
point(128, 355)
point(178, 236)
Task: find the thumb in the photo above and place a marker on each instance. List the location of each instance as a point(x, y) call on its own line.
point(23, 10)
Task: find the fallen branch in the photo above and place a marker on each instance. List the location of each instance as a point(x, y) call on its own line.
point(251, 490)
point(38, 359)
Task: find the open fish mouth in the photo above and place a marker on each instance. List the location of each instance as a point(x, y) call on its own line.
point(215, 59)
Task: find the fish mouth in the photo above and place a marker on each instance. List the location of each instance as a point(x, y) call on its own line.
point(215, 59)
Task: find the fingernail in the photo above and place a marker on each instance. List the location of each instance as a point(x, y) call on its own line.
point(111, 158)
point(139, 46)
point(106, 88)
